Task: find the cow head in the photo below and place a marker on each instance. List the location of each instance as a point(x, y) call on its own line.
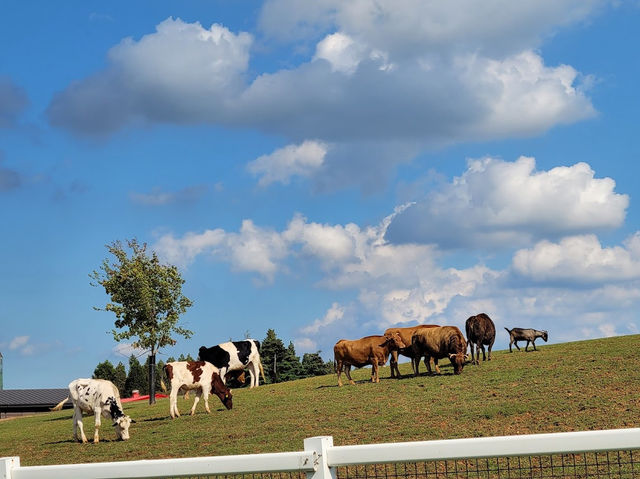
point(458, 360)
point(121, 425)
point(545, 336)
point(221, 390)
point(393, 341)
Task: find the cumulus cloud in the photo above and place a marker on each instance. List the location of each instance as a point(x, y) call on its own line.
point(497, 203)
point(9, 178)
point(292, 160)
point(13, 102)
point(159, 197)
point(386, 80)
point(579, 259)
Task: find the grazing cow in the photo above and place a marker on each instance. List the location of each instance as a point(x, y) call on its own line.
point(235, 356)
point(437, 343)
point(100, 398)
point(372, 350)
point(405, 335)
point(199, 375)
point(529, 335)
point(480, 332)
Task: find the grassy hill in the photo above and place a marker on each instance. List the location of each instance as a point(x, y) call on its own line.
point(562, 387)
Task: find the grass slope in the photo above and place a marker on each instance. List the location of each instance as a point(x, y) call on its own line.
point(562, 387)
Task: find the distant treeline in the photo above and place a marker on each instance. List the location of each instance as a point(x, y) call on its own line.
point(280, 364)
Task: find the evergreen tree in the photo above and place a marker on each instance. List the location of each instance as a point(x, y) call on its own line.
point(313, 365)
point(185, 358)
point(137, 378)
point(120, 377)
point(104, 370)
point(290, 367)
point(272, 352)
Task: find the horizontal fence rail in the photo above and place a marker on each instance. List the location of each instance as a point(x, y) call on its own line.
point(534, 454)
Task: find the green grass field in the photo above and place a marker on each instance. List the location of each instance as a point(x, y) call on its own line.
point(562, 387)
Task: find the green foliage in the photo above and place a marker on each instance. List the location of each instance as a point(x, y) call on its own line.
point(120, 377)
point(272, 353)
point(185, 358)
point(137, 378)
point(313, 365)
point(146, 297)
point(290, 367)
point(105, 370)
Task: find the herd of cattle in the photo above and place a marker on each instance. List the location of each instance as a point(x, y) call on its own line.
point(217, 364)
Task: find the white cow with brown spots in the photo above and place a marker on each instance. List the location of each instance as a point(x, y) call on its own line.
point(100, 398)
point(201, 376)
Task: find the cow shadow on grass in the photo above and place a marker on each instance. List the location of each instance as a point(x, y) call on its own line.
point(73, 441)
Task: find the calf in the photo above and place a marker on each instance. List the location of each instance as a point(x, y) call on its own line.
point(437, 343)
point(372, 350)
point(405, 335)
point(529, 335)
point(198, 375)
point(235, 356)
point(480, 332)
point(100, 398)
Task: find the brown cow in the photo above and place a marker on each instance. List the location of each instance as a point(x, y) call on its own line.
point(372, 350)
point(437, 343)
point(480, 331)
point(405, 335)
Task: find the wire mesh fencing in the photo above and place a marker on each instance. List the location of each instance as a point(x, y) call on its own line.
point(609, 464)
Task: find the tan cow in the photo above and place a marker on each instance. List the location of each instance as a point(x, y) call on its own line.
point(438, 343)
point(373, 350)
point(405, 335)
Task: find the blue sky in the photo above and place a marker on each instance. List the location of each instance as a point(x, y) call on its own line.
point(327, 169)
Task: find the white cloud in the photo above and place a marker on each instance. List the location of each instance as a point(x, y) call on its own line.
point(292, 160)
point(22, 345)
point(496, 203)
point(13, 102)
point(335, 313)
point(579, 259)
point(386, 82)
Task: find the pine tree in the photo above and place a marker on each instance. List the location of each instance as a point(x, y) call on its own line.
point(290, 367)
point(105, 370)
point(272, 351)
point(137, 378)
point(313, 365)
point(120, 377)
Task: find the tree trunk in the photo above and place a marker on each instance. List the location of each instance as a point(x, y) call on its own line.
point(152, 378)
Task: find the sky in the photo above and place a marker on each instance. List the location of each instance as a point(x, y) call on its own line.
point(326, 169)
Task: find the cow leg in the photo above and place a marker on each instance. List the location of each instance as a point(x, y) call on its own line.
point(534, 345)
point(254, 374)
point(435, 363)
point(526, 348)
point(195, 401)
point(339, 371)
point(97, 412)
point(415, 365)
point(515, 343)
point(489, 351)
point(347, 372)
point(77, 423)
point(484, 357)
point(173, 403)
point(374, 371)
point(393, 362)
point(205, 395)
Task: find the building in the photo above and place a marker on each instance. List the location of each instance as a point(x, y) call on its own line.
point(16, 402)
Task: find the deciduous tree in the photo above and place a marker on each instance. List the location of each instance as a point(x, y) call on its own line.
point(146, 297)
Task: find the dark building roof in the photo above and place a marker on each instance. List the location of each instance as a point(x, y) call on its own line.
point(24, 400)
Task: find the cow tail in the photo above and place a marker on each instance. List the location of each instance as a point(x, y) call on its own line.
point(508, 331)
point(58, 406)
point(264, 380)
point(163, 386)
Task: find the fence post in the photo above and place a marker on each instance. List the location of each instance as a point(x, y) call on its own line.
point(7, 464)
point(319, 445)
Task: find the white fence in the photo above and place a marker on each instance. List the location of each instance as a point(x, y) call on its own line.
point(321, 459)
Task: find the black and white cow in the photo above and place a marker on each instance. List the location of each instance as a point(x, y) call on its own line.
point(235, 356)
point(100, 398)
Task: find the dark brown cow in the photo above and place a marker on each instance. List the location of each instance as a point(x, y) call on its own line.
point(438, 343)
point(480, 332)
point(373, 350)
point(405, 335)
